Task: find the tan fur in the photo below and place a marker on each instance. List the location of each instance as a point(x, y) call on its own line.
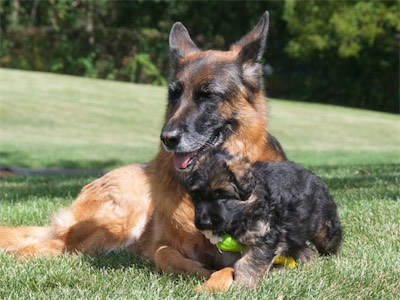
point(219, 281)
point(110, 213)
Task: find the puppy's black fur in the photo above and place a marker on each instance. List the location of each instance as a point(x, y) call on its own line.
point(272, 209)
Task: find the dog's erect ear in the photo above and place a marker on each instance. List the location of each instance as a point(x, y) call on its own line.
point(180, 43)
point(251, 46)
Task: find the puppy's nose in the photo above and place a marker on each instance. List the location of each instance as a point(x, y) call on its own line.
point(203, 222)
point(171, 138)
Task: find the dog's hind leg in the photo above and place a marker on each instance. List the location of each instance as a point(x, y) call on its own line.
point(109, 213)
point(328, 237)
point(304, 254)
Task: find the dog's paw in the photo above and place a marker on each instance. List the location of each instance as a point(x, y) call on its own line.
point(219, 281)
point(245, 281)
point(306, 254)
point(198, 269)
point(203, 272)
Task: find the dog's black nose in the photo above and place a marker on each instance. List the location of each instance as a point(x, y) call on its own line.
point(203, 222)
point(171, 138)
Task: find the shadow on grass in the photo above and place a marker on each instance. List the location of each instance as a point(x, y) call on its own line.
point(374, 180)
point(118, 260)
point(87, 165)
point(22, 188)
point(22, 160)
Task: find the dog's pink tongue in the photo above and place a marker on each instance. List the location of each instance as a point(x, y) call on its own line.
point(181, 160)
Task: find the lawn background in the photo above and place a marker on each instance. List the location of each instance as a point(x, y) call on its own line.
point(58, 121)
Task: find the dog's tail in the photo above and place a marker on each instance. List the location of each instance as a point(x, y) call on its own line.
point(34, 240)
point(13, 239)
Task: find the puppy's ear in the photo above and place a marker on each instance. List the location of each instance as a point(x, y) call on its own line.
point(180, 43)
point(242, 171)
point(247, 184)
point(251, 49)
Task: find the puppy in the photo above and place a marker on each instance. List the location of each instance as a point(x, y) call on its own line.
point(270, 208)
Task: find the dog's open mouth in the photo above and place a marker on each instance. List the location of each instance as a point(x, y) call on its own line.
point(183, 161)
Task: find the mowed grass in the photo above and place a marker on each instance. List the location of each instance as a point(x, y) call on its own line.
point(55, 121)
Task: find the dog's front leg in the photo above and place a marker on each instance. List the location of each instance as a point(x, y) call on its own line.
point(246, 272)
point(255, 262)
point(168, 259)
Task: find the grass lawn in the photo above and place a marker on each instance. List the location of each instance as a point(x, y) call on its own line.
point(55, 121)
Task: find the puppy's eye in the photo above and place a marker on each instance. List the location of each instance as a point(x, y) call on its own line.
point(220, 194)
point(195, 194)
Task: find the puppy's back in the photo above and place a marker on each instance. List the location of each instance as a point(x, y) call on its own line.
point(298, 190)
point(288, 176)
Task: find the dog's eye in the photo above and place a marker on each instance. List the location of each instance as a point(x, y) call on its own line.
point(206, 92)
point(175, 90)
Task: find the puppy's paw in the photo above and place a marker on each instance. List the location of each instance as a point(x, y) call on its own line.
point(245, 281)
point(219, 281)
point(306, 254)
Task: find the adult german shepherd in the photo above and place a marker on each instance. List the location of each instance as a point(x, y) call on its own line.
point(215, 99)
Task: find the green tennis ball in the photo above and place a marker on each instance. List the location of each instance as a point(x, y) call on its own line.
point(229, 244)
